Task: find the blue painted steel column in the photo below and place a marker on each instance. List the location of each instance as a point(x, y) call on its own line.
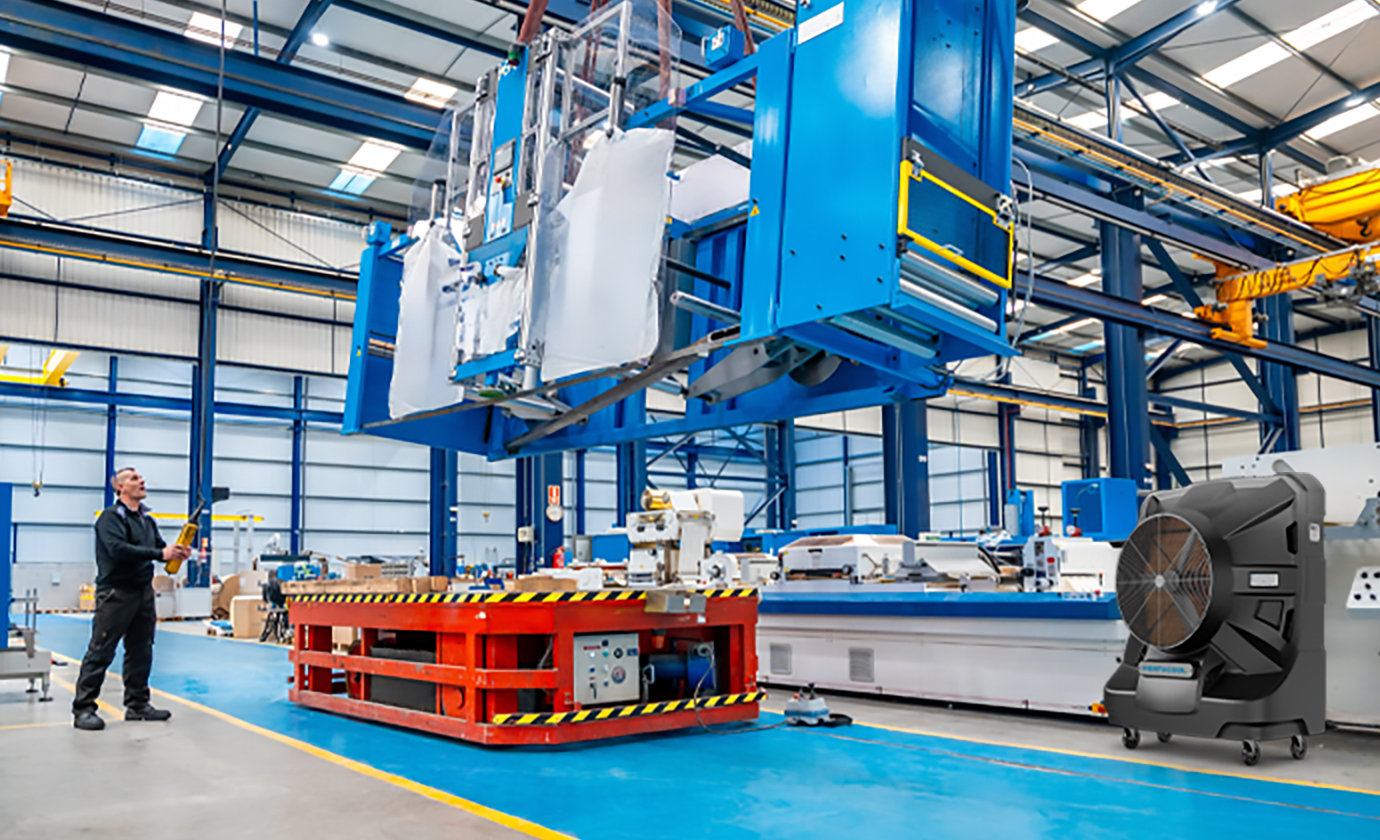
point(1089, 428)
point(1128, 410)
point(581, 495)
point(443, 498)
point(299, 428)
point(1373, 342)
point(111, 386)
point(632, 478)
point(203, 406)
point(536, 475)
point(778, 449)
point(1006, 443)
point(905, 466)
point(996, 495)
point(1280, 381)
point(847, 482)
point(6, 559)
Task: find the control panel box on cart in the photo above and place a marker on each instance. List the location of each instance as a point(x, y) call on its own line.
point(505, 667)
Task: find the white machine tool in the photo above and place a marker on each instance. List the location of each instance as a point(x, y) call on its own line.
point(1068, 564)
point(861, 556)
point(671, 537)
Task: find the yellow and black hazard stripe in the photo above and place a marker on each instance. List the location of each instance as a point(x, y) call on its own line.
point(718, 701)
point(504, 597)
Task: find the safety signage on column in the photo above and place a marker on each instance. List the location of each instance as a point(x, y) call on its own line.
point(554, 511)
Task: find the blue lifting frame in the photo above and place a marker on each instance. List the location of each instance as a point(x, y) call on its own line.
point(862, 205)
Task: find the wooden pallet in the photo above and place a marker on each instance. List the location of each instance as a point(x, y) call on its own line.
point(367, 586)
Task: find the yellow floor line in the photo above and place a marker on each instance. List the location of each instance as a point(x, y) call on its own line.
point(517, 824)
point(100, 704)
point(1108, 757)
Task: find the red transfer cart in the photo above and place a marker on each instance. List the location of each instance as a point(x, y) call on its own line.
point(531, 667)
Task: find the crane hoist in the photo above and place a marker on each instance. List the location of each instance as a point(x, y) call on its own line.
point(1345, 205)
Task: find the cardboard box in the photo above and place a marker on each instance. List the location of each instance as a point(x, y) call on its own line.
point(545, 583)
point(229, 590)
point(343, 637)
point(247, 614)
point(363, 571)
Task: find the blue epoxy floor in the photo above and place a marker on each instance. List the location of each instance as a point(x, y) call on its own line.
point(853, 782)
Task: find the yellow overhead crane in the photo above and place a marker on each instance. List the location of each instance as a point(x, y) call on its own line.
point(1347, 207)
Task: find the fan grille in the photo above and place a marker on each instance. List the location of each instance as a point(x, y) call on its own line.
point(1164, 581)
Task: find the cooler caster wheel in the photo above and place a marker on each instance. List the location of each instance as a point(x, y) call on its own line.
point(1298, 747)
point(1130, 738)
point(1164, 737)
point(1250, 753)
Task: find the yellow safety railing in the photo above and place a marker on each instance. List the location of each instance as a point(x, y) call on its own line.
point(908, 174)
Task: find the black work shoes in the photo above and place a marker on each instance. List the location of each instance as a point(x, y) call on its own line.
point(146, 713)
point(89, 721)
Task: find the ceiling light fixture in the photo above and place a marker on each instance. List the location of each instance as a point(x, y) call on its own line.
point(1206, 8)
point(320, 39)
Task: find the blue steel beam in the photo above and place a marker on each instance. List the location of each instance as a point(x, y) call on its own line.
point(1125, 54)
point(1060, 295)
point(1140, 74)
point(1165, 455)
point(1104, 209)
point(442, 500)
point(111, 44)
point(1208, 408)
point(1281, 381)
point(154, 402)
point(1185, 288)
point(296, 38)
point(170, 257)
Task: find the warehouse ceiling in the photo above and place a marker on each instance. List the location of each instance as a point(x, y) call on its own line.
point(1254, 64)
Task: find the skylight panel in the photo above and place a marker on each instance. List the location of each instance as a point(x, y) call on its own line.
point(1265, 55)
point(1105, 10)
point(4, 66)
point(1089, 120)
point(351, 182)
point(1086, 279)
point(162, 140)
point(174, 108)
point(205, 28)
point(1076, 325)
point(1032, 39)
point(1154, 299)
point(374, 156)
point(1344, 120)
point(427, 92)
point(1333, 23)
point(1091, 345)
point(1310, 34)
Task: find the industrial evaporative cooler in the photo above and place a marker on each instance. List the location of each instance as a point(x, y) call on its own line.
point(1222, 587)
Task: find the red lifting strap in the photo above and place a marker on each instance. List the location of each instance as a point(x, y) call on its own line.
point(740, 20)
point(531, 22)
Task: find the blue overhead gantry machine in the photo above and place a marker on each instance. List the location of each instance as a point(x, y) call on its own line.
point(875, 248)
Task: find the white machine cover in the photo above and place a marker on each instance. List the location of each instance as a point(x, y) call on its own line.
point(424, 354)
point(602, 306)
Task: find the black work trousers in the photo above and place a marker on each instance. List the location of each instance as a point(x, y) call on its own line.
point(126, 614)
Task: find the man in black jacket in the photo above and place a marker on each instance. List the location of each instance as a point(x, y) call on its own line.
point(127, 546)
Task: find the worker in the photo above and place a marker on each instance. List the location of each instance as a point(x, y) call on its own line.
point(127, 545)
